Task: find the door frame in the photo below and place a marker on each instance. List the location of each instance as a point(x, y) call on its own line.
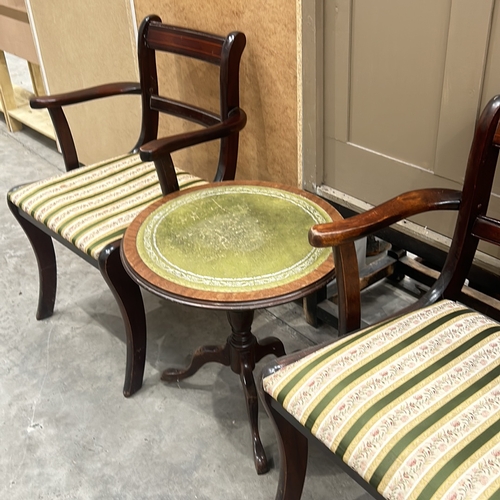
point(310, 125)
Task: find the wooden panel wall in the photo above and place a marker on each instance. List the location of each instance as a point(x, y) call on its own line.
point(268, 148)
point(15, 32)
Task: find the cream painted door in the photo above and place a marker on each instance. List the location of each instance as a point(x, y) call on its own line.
point(404, 81)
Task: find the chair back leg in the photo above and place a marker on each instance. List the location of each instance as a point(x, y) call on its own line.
point(43, 247)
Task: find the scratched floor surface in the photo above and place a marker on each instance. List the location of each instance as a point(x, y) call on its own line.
point(66, 431)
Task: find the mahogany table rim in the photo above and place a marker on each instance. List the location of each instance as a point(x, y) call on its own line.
point(253, 304)
point(259, 299)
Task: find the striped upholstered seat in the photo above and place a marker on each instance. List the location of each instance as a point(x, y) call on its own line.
point(412, 405)
point(93, 205)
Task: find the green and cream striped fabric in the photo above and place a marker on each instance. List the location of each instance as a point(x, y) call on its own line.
point(412, 405)
point(93, 205)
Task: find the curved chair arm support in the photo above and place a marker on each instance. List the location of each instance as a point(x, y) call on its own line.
point(394, 210)
point(158, 148)
point(54, 104)
point(65, 137)
point(89, 94)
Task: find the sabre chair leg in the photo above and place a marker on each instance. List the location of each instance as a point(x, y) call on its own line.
point(129, 298)
point(43, 247)
point(293, 450)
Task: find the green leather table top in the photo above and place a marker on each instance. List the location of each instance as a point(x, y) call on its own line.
point(234, 238)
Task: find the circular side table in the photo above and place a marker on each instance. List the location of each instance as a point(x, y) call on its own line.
point(233, 246)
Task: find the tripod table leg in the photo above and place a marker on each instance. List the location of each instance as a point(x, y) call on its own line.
point(250, 391)
point(203, 355)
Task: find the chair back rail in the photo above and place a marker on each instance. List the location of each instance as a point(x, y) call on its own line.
point(223, 52)
point(178, 108)
point(487, 229)
point(185, 42)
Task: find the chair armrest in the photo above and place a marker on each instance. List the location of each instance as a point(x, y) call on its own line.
point(54, 104)
point(394, 210)
point(159, 148)
point(77, 96)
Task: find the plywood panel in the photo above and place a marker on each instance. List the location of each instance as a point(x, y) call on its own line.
point(83, 44)
point(268, 148)
point(16, 38)
point(14, 4)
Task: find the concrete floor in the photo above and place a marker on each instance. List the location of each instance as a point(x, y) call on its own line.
point(66, 431)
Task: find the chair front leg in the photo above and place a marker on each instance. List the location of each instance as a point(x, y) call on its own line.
point(129, 298)
point(293, 449)
point(43, 247)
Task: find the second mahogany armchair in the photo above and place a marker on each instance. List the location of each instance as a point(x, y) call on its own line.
point(88, 208)
point(409, 407)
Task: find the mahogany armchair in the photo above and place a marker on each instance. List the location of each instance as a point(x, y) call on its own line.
point(409, 407)
point(88, 208)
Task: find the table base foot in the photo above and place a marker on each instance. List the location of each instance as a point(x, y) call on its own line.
point(269, 345)
point(203, 355)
